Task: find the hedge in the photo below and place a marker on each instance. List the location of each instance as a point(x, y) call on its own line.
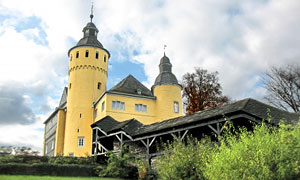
point(47, 169)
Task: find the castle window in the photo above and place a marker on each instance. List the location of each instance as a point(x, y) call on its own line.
point(52, 144)
point(104, 58)
point(86, 53)
point(46, 149)
point(80, 141)
point(140, 108)
point(70, 85)
point(77, 54)
point(80, 115)
point(99, 85)
point(103, 105)
point(71, 58)
point(95, 113)
point(97, 54)
point(118, 105)
point(176, 107)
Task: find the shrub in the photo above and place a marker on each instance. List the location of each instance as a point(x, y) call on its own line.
point(73, 160)
point(118, 165)
point(185, 160)
point(47, 169)
point(266, 153)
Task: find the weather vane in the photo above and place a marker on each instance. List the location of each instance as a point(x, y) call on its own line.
point(91, 16)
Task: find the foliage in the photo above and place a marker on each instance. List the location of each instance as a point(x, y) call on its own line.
point(27, 177)
point(185, 160)
point(201, 90)
point(72, 160)
point(10, 159)
point(47, 169)
point(118, 165)
point(265, 153)
point(283, 87)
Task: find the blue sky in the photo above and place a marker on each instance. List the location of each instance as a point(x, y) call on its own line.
point(239, 39)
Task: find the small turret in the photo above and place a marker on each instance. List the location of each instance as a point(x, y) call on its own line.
point(167, 91)
point(165, 73)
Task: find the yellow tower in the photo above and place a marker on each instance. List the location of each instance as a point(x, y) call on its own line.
point(88, 62)
point(167, 91)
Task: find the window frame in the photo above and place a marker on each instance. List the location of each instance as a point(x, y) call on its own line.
point(118, 105)
point(176, 107)
point(140, 108)
point(80, 141)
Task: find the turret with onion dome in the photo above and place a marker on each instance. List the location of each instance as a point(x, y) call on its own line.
point(167, 91)
point(88, 65)
point(165, 73)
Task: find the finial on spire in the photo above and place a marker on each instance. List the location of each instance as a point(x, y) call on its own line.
point(91, 16)
point(165, 50)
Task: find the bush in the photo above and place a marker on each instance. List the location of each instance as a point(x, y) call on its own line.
point(118, 165)
point(265, 153)
point(185, 160)
point(23, 159)
point(47, 169)
point(73, 160)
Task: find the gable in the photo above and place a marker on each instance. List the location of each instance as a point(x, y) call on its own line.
point(130, 85)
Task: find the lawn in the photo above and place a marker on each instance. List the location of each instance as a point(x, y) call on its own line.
point(24, 177)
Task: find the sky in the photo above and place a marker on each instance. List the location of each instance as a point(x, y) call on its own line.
point(239, 39)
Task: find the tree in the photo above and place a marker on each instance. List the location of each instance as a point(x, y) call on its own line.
point(283, 87)
point(201, 91)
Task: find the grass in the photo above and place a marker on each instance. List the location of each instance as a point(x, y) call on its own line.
point(25, 177)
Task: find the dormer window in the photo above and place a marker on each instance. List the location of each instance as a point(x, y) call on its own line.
point(139, 91)
point(86, 33)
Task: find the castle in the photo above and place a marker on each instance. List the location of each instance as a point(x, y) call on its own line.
point(91, 120)
point(85, 101)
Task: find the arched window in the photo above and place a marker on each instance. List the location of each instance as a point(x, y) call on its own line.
point(86, 53)
point(97, 54)
point(104, 58)
point(77, 54)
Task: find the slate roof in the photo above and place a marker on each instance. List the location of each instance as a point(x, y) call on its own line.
point(90, 32)
point(250, 107)
point(110, 125)
point(165, 75)
point(130, 85)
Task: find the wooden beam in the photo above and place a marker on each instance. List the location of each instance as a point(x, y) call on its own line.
point(184, 134)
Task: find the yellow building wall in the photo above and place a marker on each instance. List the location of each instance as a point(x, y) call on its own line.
point(60, 133)
point(129, 112)
point(165, 97)
point(84, 75)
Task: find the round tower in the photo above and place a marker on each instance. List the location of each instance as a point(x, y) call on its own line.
point(88, 63)
point(167, 91)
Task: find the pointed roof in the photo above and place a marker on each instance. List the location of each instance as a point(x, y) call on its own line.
point(130, 85)
point(90, 33)
point(165, 73)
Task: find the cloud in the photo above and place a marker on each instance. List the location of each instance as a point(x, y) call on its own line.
point(239, 39)
point(13, 107)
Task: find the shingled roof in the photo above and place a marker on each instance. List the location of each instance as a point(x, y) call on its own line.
point(110, 125)
point(250, 107)
point(130, 85)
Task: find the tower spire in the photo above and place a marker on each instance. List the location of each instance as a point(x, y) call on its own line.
point(91, 16)
point(165, 50)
